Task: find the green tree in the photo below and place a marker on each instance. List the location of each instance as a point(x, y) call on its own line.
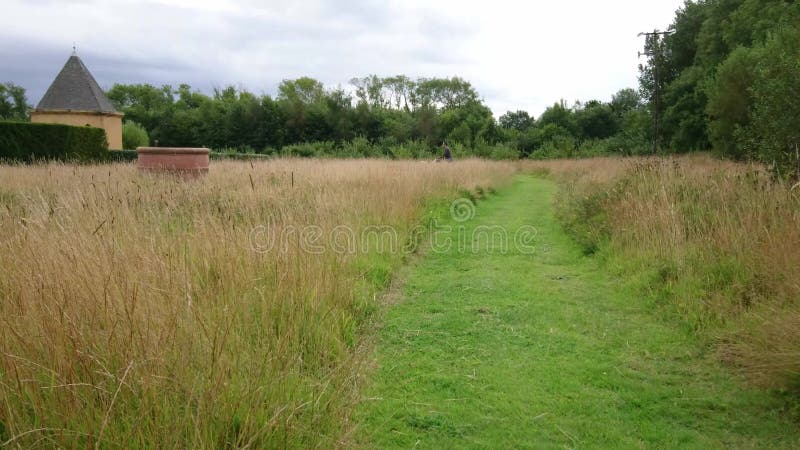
point(635, 136)
point(517, 120)
point(401, 91)
point(774, 131)
point(302, 101)
point(560, 116)
point(339, 116)
point(372, 90)
point(271, 127)
point(467, 123)
point(713, 42)
point(426, 125)
point(681, 45)
point(445, 93)
point(134, 135)
point(685, 125)
point(653, 78)
point(596, 120)
point(730, 100)
point(709, 69)
point(13, 102)
point(625, 100)
point(147, 105)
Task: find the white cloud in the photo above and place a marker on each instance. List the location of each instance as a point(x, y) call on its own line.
point(519, 55)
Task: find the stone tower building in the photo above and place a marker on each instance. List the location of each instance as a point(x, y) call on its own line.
point(75, 98)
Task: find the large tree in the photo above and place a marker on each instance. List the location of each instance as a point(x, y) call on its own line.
point(560, 116)
point(516, 120)
point(596, 120)
point(13, 102)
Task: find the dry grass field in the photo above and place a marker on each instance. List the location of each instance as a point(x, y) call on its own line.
point(716, 241)
point(147, 311)
point(229, 311)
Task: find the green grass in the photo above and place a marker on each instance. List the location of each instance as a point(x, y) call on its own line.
point(549, 350)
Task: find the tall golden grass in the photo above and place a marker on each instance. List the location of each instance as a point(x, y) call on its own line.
point(134, 311)
point(722, 240)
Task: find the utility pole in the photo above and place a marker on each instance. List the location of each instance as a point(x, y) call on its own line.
point(656, 84)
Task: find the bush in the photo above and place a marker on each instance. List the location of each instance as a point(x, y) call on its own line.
point(359, 147)
point(122, 156)
point(773, 134)
point(410, 150)
point(23, 141)
point(240, 149)
point(309, 149)
point(503, 151)
point(582, 209)
point(558, 146)
point(134, 135)
point(237, 156)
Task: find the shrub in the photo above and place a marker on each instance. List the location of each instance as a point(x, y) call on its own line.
point(23, 141)
point(238, 156)
point(560, 146)
point(581, 208)
point(359, 147)
point(773, 135)
point(458, 150)
point(122, 156)
point(237, 150)
point(503, 151)
point(134, 135)
point(309, 149)
point(409, 150)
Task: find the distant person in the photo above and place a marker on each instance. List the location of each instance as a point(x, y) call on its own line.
point(447, 155)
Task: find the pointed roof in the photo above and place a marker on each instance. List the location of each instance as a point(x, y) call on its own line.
point(75, 89)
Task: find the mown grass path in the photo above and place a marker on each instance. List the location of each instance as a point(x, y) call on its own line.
point(546, 350)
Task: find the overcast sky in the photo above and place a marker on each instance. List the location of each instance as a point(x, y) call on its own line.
point(518, 54)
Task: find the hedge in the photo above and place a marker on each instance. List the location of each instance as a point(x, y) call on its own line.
point(121, 156)
point(24, 141)
point(131, 155)
point(238, 156)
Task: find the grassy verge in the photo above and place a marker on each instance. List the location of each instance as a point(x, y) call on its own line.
point(512, 349)
point(715, 244)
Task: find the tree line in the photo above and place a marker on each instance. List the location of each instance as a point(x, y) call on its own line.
point(305, 111)
point(728, 75)
point(384, 112)
point(378, 116)
point(724, 79)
